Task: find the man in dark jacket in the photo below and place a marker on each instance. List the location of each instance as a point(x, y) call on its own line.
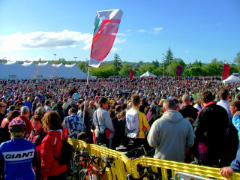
point(188, 110)
point(210, 130)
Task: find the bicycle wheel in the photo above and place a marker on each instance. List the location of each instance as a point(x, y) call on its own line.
point(83, 174)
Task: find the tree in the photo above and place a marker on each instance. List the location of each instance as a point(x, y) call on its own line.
point(155, 63)
point(117, 64)
point(214, 68)
point(237, 59)
point(168, 57)
point(173, 66)
point(103, 71)
point(83, 66)
point(125, 69)
point(146, 67)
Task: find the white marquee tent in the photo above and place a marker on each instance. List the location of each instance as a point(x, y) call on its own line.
point(14, 70)
point(148, 74)
point(232, 79)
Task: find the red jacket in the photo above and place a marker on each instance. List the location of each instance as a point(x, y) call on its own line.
point(36, 137)
point(29, 126)
point(51, 146)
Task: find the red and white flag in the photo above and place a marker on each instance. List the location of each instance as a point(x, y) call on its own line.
point(131, 74)
point(106, 27)
point(226, 71)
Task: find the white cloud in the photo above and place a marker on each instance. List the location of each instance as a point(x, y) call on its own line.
point(41, 40)
point(120, 40)
point(88, 46)
point(158, 29)
point(129, 30)
point(114, 49)
point(122, 34)
point(187, 52)
point(142, 31)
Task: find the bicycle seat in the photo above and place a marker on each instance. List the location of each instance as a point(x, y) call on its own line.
point(121, 148)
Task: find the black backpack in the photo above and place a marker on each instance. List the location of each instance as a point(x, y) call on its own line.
point(66, 153)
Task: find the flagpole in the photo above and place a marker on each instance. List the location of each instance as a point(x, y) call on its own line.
point(85, 102)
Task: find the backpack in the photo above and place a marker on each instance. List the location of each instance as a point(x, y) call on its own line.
point(66, 153)
point(132, 123)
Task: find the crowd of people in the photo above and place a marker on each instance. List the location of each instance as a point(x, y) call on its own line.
point(185, 119)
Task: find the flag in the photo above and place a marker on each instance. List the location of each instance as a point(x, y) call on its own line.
point(106, 27)
point(179, 70)
point(131, 74)
point(37, 69)
point(226, 70)
point(55, 68)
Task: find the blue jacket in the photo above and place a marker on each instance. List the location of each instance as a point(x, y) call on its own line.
point(235, 165)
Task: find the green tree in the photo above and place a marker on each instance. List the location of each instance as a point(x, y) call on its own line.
point(169, 57)
point(83, 66)
point(173, 66)
point(197, 64)
point(214, 68)
point(117, 63)
point(158, 71)
point(103, 71)
point(125, 69)
point(194, 71)
point(155, 63)
point(147, 67)
point(237, 59)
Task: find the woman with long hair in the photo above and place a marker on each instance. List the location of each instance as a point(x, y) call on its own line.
point(51, 148)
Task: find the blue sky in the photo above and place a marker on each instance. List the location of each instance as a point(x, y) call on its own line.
point(193, 29)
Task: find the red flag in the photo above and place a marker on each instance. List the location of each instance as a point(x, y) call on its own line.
point(55, 68)
point(226, 70)
point(37, 69)
point(131, 74)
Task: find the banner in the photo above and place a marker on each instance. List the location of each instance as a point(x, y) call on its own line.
point(131, 74)
point(179, 70)
point(37, 69)
point(226, 71)
point(106, 27)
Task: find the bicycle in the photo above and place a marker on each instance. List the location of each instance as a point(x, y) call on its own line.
point(139, 152)
point(145, 171)
point(88, 172)
point(79, 162)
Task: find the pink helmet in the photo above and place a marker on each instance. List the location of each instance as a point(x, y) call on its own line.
point(17, 125)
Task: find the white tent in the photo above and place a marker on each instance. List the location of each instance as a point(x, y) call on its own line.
point(14, 70)
point(148, 74)
point(232, 79)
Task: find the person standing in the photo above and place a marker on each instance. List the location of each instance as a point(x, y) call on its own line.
point(103, 121)
point(171, 134)
point(73, 123)
point(136, 125)
point(36, 137)
point(18, 153)
point(235, 164)
point(188, 110)
point(3, 108)
point(25, 112)
point(210, 130)
point(51, 148)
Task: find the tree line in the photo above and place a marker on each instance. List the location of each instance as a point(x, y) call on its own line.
point(167, 66)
